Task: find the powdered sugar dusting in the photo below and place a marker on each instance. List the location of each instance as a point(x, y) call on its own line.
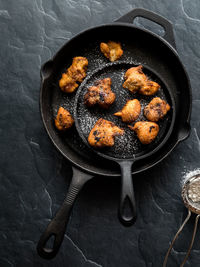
point(128, 145)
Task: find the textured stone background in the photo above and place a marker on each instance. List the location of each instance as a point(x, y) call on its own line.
point(33, 175)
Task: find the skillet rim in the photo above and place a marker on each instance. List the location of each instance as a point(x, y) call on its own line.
point(115, 24)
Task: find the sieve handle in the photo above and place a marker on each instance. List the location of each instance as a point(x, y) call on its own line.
point(57, 227)
point(127, 207)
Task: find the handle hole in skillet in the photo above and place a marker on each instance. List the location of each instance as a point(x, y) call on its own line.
point(48, 246)
point(127, 208)
point(149, 25)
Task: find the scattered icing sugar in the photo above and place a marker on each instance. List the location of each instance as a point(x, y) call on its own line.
point(127, 145)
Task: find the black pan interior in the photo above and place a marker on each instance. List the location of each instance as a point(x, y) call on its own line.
point(127, 146)
point(139, 47)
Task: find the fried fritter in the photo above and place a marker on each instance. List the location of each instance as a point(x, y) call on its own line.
point(78, 68)
point(130, 112)
point(100, 94)
point(111, 50)
point(67, 83)
point(75, 73)
point(156, 109)
point(103, 133)
point(136, 80)
point(63, 120)
point(149, 88)
point(146, 131)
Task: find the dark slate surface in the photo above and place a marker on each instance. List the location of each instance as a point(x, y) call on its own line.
point(34, 177)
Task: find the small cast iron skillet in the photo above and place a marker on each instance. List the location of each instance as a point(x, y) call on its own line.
point(127, 149)
point(140, 47)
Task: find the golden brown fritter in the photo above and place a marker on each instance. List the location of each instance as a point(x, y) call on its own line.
point(78, 68)
point(134, 79)
point(103, 133)
point(146, 131)
point(75, 73)
point(111, 50)
point(137, 81)
point(67, 83)
point(130, 112)
point(149, 88)
point(156, 109)
point(100, 94)
point(63, 120)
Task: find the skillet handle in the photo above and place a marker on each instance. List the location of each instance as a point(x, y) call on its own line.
point(56, 228)
point(127, 207)
point(140, 12)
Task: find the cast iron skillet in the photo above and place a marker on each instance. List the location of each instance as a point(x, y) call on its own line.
point(127, 149)
point(140, 47)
